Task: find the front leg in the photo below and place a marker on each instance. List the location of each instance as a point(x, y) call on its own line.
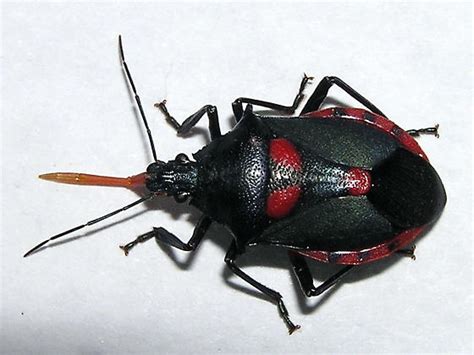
point(192, 120)
point(165, 237)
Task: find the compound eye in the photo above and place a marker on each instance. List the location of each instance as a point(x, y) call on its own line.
point(181, 197)
point(182, 158)
point(154, 167)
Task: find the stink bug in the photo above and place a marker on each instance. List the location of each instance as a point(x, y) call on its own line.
point(340, 185)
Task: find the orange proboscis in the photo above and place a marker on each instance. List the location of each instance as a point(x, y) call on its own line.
point(88, 179)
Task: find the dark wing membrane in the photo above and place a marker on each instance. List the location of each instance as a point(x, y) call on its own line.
point(345, 223)
point(407, 190)
point(349, 142)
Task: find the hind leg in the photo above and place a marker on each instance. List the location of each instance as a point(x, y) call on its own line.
point(305, 279)
point(427, 131)
point(192, 120)
point(321, 92)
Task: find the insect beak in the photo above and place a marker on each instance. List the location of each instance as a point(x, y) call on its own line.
point(97, 180)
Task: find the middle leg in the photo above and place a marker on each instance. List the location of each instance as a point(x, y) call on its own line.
point(237, 105)
point(192, 120)
point(230, 258)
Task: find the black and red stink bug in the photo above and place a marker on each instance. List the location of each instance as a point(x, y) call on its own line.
point(340, 185)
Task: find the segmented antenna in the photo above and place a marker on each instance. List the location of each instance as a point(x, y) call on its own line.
point(88, 179)
point(90, 223)
point(137, 99)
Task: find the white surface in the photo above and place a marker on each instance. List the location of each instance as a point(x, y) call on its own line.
point(66, 107)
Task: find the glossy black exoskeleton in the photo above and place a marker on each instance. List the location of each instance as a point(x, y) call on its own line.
point(340, 185)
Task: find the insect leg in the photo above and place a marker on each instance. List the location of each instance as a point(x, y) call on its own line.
point(321, 92)
point(237, 105)
point(410, 252)
point(192, 120)
point(275, 296)
point(305, 279)
point(163, 236)
point(429, 130)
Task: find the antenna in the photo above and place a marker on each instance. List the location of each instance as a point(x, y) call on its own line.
point(137, 99)
point(88, 179)
point(90, 223)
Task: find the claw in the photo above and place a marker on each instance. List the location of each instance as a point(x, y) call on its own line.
point(413, 256)
point(436, 134)
point(125, 249)
point(408, 252)
point(162, 106)
point(293, 329)
point(309, 78)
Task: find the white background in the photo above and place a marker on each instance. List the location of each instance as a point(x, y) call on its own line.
point(66, 107)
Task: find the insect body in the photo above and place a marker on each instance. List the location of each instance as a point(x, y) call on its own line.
point(340, 185)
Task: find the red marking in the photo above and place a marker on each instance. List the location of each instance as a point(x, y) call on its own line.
point(409, 142)
point(281, 202)
point(357, 257)
point(359, 181)
point(382, 123)
point(284, 152)
point(354, 112)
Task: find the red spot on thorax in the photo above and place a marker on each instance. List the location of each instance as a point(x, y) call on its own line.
point(358, 181)
point(282, 151)
point(281, 202)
